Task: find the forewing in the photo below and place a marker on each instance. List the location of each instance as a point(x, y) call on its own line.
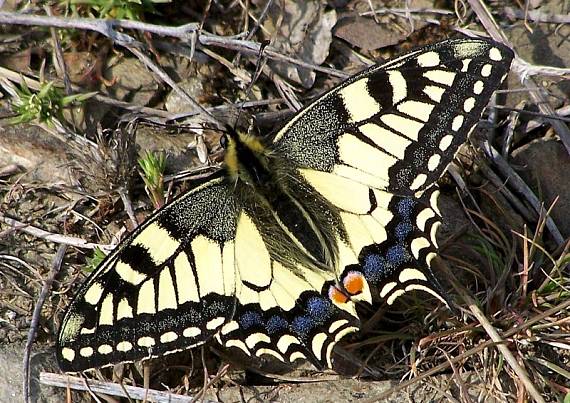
point(169, 286)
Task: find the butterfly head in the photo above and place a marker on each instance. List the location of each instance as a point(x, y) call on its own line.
point(245, 158)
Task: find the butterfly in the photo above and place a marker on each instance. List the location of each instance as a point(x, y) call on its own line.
point(271, 254)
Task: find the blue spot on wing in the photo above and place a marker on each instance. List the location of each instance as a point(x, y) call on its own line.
point(319, 308)
point(302, 325)
point(276, 324)
point(249, 319)
point(405, 207)
point(403, 229)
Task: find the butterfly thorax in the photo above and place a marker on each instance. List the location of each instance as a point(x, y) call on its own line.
point(275, 195)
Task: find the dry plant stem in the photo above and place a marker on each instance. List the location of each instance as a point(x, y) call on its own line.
point(112, 389)
point(56, 265)
point(501, 185)
point(468, 353)
point(520, 186)
point(129, 207)
point(509, 357)
point(49, 236)
point(536, 16)
point(522, 69)
point(183, 32)
point(166, 78)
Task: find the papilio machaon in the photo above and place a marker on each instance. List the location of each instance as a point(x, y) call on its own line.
point(270, 254)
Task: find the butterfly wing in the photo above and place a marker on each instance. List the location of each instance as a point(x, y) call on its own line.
point(200, 267)
point(375, 145)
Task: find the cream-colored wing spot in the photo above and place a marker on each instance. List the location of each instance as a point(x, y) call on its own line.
point(250, 251)
point(239, 344)
point(106, 313)
point(399, 86)
point(417, 245)
point(125, 346)
point(465, 67)
point(124, 309)
point(166, 292)
point(185, 280)
point(358, 101)
point(104, 349)
point(469, 104)
point(423, 217)
point(344, 193)
point(168, 337)
point(191, 332)
point(146, 341)
point(128, 274)
point(433, 202)
point(158, 242)
point(457, 123)
point(426, 289)
point(253, 339)
point(434, 92)
point(428, 59)
point(486, 70)
point(358, 154)
point(387, 289)
point(433, 233)
point(419, 110)
point(337, 324)
point(478, 87)
point(215, 323)
point(408, 127)
point(93, 294)
point(393, 143)
point(208, 260)
point(86, 351)
point(229, 327)
point(268, 351)
point(445, 142)
point(145, 301)
point(440, 76)
point(85, 330)
point(395, 295)
point(285, 341)
point(418, 182)
point(317, 344)
point(297, 355)
point(68, 354)
point(495, 54)
point(411, 274)
point(433, 162)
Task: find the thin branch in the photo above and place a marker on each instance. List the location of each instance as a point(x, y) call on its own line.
point(514, 180)
point(113, 389)
point(56, 265)
point(49, 236)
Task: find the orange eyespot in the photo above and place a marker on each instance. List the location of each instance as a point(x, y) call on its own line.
point(353, 282)
point(337, 295)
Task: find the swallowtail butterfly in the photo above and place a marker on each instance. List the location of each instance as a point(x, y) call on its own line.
point(271, 253)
